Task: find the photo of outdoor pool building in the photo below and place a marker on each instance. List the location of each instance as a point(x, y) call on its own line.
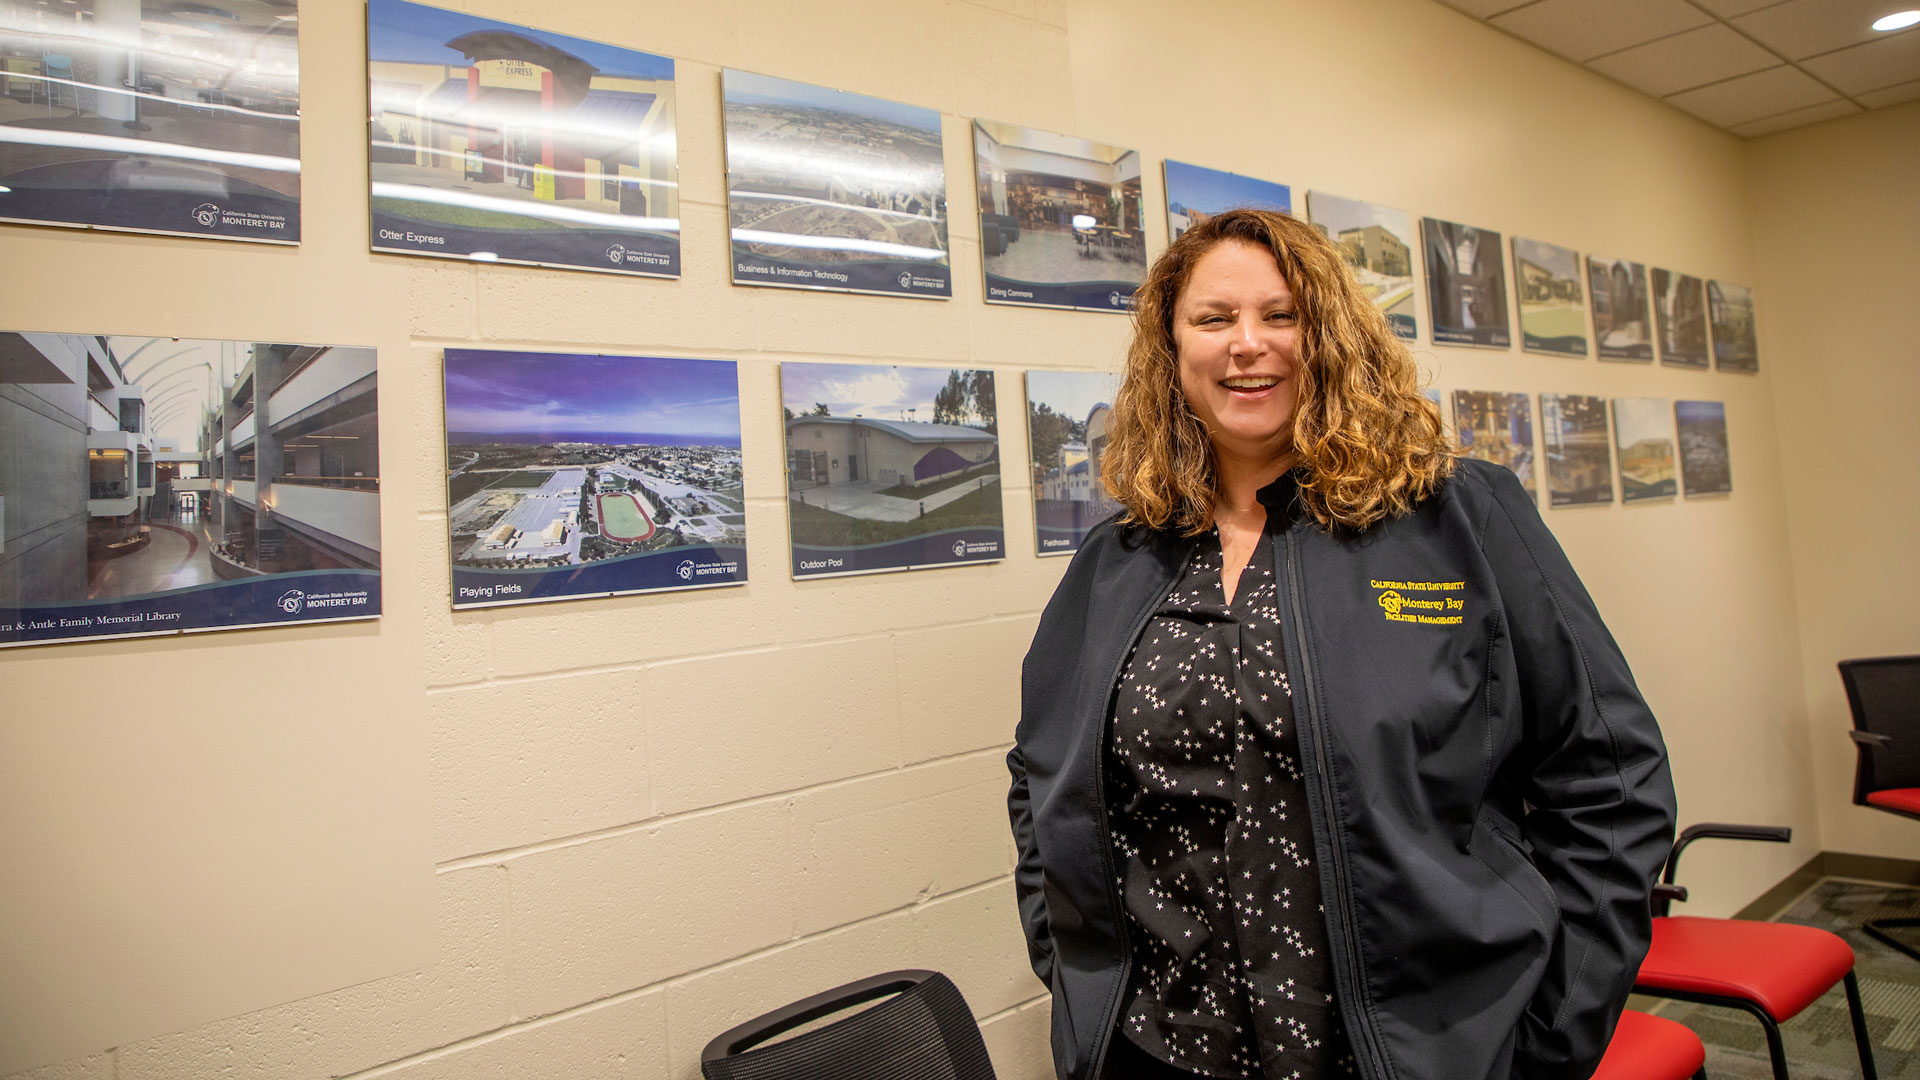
point(141, 465)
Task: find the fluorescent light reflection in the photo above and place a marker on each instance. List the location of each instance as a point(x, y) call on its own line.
point(1899, 20)
point(163, 99)
point(837, 243)
point(505, 164)
point(484, 256)
point(523, 208)
point(80, 140)
point(836, 205)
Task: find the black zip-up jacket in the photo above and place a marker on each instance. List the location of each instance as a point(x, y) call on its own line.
point(1489, 792)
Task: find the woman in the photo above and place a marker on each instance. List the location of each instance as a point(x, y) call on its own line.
point(1326, 764)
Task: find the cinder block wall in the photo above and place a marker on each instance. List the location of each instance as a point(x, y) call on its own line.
point(651, 817)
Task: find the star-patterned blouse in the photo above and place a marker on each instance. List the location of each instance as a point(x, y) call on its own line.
point(1231, 975)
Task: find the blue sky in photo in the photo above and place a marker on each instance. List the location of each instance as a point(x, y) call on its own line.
point(561, 394)
point(748, 88)
point(1072, 394)
point(875, 391)
point(1211, 191)
point(415, 33)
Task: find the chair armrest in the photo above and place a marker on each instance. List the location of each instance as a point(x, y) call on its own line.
point(1871, 739)
point(1778, 834)
point(761, 1028)
point(1664, 894)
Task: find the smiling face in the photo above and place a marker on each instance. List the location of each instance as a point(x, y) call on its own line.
point(1234, 336)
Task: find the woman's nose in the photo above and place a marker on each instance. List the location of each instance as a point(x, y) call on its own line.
point(1246, 338)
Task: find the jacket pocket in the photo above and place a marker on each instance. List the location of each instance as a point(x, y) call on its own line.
point(1508, 858)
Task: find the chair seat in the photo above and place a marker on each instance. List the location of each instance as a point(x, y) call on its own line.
point(1650, 1048)
point(1778, 966)
point(1904, 799)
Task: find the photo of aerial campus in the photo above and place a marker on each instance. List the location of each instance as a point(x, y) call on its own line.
point(1496, 427)
point(1621, 323)
point(1378, 244)
point(832, 190)
point(1705, 466)
point(575, 475)
point(1466, 284)
point(1067, 417)
point(1553, 302)
point(891, 468)
point(1060, 219)
point(1195, 194)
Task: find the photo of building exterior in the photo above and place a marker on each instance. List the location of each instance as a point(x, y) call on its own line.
point(1497, 427)
point(152, 116)
point(1195, 194)
point(159, 485)
point(505, 143)
point(573, 475)
point(1378, 244)
point(1730, 313)
point(1067, 417)
point(832, 190)
point(1706, 467)
point(1643, 437)
point(1622, 325)
point(1553, 303)
point(1466, 284)
point(890, 468)
point(1573, 429)
point(1680, 313)
point(1060, 219)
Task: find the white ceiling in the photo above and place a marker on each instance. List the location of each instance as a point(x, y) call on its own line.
point(1751, 67)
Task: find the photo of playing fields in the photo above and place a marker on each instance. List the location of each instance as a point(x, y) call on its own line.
point(891, 468)
point(1706, 468)
point(1680, 314)
point(1466, 284)
point(573, 475)
point(1643, 437)
point(1497, 427)
point(1067, 417)
point(1195, 194)
point(1730, 312)
point(502, 143)
point(1622, 325)
point(832, 190)
point(1378, 243)
point(1553, 302)
point(1573, 428)
point(1060, 219)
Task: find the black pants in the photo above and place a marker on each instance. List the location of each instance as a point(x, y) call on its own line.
point(1126, 1061)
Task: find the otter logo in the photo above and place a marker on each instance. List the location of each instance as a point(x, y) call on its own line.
point(617, 254)
point(206, 215)
point(1115, 299)
point(959, 549)
point(685, 570)
point(292, 601)
point(1390, 602)
point(905, 279)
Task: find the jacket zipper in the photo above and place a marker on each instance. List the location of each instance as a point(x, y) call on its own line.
point(1106, 836)
point(1347, 971)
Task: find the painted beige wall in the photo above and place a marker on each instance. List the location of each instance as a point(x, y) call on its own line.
point(651, 817)
point(1837, 251)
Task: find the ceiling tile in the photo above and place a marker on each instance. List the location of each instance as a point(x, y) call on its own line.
point(1480, 9)
point(1802, 28)
point(1796, 118)
point(1695, 58)
point(1753, 97)
point(1888, 61)
point(1727, 9)
point(1583, 29)
point(1892, 95)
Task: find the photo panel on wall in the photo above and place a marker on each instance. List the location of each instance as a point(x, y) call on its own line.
point(145, 116)
point(1643, 437)
point(1706, 467)
point(1553, 301)
point(891, 468)
point(1466, 285)
point(498, 142)
point(176, 497)
point(1068, 413)
point(834, 191)
point(1730, 311)
point(1497, 427)
point(1195, 194)
point(1680, 313)
point(1378, 244)
point(573, 475)
point(1060, 219)
point(1622, 323)
point(1573, 428)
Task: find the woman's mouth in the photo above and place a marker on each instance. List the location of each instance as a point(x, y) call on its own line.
point(1250, 384)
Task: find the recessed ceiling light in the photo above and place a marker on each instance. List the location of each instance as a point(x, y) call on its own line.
point(1899, 20)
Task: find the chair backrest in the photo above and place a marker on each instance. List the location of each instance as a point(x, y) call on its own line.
point(923, 1031)
point(1884, 693)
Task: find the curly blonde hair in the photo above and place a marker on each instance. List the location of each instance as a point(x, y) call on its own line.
point(1369, 445)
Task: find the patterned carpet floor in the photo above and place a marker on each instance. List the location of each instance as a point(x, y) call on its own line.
point(1819, 1041)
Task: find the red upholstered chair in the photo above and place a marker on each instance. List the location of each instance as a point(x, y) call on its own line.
point(1884, 694)
point(1650, 1048)
point(1771, 970)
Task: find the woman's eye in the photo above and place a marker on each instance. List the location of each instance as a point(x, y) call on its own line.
point(1282, 316)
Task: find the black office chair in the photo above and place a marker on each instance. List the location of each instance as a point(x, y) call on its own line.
point(1884, 693)
point(924, 1032)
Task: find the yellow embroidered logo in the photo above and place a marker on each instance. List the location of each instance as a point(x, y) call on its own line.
point(1433, 610)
